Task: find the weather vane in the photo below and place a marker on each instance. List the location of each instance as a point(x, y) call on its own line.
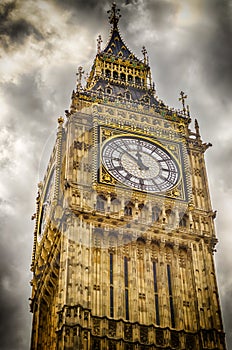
point(182, 99)
point(114, 15)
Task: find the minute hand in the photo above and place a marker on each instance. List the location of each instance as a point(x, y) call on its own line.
point(137, 160)
point(130, 155)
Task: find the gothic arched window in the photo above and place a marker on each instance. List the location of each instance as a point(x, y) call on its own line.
point(115, 75)
point(101, 203)
point(156, 211)
point(170, 216)
point(108, 90)
point(127, 95)
point(115, 204)
point(183, 219)
point(128, 209)
point(137, 81)
point(108, 73)
point(122, 76)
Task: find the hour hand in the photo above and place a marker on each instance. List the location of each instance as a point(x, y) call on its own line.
point(140, 162)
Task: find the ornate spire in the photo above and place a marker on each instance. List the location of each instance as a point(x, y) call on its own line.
point(114, 15)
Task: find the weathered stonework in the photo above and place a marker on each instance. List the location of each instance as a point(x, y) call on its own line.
point(114, 267)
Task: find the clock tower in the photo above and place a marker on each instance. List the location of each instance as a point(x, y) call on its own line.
point(124, 235)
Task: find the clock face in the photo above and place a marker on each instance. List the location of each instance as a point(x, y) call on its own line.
point(140, 164)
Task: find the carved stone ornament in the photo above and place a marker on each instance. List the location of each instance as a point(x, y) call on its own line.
point(112, 345)
point(159, 337)
point(190, 342)
point(175, 342)
point(96, 326)
point(112, 328)
point(96, 344)
point(128, 332)
point(144, 334)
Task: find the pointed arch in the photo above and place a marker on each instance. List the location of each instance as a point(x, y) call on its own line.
point(101, 203)
point(170, 216)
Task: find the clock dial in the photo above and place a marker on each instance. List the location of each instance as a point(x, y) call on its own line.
point(140, 164)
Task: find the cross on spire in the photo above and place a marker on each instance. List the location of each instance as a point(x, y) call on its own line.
point(114, 15)
point(79, 74)
point(182, 99)
point(99, 41)
point(144, 52)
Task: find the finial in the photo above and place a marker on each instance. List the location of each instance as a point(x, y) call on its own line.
point(79, 76)
point(60, 121)
point(99, 41)
point(197, 128)
point(182, 99)
point(114, 15)
point(144, 52)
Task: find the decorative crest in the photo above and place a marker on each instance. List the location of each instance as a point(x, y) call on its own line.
point(99, 41)
point(114, 15)
point(182, 99)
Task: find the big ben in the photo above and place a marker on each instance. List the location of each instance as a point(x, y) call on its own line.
point(124, 235)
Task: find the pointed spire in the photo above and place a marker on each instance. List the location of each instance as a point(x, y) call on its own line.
point(197, 129)
point(114, 15)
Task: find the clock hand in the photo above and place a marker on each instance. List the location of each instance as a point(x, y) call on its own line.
point(140, 162)
point(137, 160)
point(129, 154)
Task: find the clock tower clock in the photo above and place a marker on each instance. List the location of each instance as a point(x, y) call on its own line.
point(124, 234)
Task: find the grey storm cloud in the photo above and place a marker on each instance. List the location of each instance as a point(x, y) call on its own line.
point(216, 46)
point(189, 51)
point(13, 30)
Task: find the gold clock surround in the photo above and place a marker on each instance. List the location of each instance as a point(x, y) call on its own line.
point(178, 190)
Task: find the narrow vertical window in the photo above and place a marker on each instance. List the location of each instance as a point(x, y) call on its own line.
point(156, 294)
point(111, 268)
point(126, 287)
point(170, 296)
point(127, 304)
point(126, 271)
point(111, 301)
point(111, 287)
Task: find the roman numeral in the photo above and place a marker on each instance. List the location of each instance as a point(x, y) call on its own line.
point(128, 176)
point(118, 168)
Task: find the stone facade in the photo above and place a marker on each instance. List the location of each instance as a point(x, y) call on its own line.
point(115, 267)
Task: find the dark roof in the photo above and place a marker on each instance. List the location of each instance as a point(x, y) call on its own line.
point(136, 94)
point(115, 46)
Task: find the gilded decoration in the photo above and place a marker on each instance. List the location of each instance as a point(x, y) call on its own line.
point(105, 133)
point(119, 266)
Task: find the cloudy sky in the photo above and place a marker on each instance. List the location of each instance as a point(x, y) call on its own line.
point(42, 44)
